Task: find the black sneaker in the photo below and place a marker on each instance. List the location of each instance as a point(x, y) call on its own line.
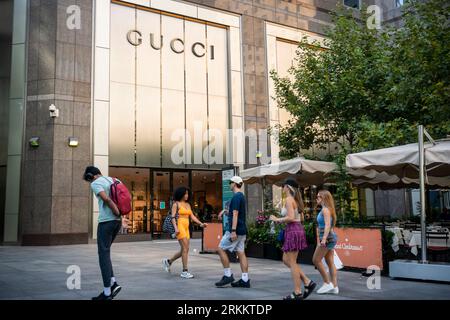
point(294, 296)
point(115, 289)
point(102, 296)
point(309, 289)
point(241, 284)
point(224, 281)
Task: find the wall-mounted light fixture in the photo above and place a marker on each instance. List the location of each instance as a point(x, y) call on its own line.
point(73, 142)
point(258, 154)
point(34, 142)
point(54, 112)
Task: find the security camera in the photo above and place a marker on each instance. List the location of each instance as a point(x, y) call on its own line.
point(54, 112)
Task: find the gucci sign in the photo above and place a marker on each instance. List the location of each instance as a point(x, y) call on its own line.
point(198, 49)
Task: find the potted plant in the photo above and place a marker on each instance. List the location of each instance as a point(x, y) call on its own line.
point(272, 250)
point(272, 247)
point(254, 247)
point(262, 238)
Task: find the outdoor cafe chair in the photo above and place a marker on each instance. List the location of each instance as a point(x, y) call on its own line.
point(437, 236)
point(412, 226)
point(437, 252)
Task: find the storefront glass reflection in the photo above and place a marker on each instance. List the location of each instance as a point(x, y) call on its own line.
point(207, 194)
point(161, 200)
point(152, 192)
point(137, 182)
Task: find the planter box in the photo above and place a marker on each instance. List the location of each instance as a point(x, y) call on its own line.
point(305, 256)
point(254, 250)
point(272, 252)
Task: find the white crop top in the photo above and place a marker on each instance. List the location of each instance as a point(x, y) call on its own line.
point(297, 214)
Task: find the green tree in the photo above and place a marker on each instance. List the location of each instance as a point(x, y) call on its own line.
point(417, 85)
point(331, 93)
point(417, 80)
point(332, 89)
point(368, 88)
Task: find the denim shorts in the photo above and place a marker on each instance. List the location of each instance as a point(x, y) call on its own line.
point(330, 244)
point(237, 245)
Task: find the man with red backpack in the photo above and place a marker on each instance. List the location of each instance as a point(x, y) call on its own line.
point(114, 202)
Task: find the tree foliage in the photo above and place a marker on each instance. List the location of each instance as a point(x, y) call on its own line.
point(365, 89)
point(369, 88)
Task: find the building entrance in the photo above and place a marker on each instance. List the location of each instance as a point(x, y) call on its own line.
point(152, 192)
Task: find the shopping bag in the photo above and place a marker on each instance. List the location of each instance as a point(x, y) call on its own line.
point(337, 262)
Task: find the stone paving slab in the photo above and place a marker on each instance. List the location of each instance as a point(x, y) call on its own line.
point(40, 273)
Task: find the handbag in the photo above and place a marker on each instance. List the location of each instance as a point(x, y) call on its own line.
point(280, 236)
point(168, 225)
point(337, 262)
point(330, 237)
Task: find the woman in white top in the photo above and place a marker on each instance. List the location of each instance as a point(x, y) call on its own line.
point(294, 239)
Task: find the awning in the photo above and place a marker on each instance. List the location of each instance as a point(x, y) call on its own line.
point(307, 172)
point(382, 180)
point(403, 161)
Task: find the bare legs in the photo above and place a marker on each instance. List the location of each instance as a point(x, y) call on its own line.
point(290, 260)
point(306, 281)
point(243, 261)
point(183, 253)
point(329, 258)
point(226, 262)
point(319, 254)
point(224, 258)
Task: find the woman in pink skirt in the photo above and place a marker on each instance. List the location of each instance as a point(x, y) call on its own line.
point(294, 239)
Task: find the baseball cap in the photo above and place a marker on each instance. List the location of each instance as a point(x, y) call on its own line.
point(237, 179)
point(290, 182)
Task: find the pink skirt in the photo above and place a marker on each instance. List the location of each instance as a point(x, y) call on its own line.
point(294, 237)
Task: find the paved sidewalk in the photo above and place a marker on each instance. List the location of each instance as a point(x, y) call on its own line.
point(40, 273)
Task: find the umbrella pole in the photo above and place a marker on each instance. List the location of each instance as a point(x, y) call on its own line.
point(263, 186)
point(422, 195)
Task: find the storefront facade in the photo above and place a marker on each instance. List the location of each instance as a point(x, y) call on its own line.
point(169, 82)
point(149, 91)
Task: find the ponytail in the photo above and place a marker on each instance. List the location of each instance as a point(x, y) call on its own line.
point(296, 194)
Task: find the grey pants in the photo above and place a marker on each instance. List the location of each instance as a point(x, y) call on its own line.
point(106, 233)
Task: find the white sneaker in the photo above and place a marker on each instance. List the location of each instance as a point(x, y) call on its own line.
point(186, 275)
point(335, 290)
point(166, 265)
point(325, 288)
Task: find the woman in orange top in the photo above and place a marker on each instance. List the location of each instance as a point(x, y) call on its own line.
point(181, 204)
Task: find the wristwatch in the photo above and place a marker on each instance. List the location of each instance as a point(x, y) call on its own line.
point(233, 230)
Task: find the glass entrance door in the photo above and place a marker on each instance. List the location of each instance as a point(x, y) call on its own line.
point(152, 191)
point(160, 201)
point(164, 184)
point(137, 182)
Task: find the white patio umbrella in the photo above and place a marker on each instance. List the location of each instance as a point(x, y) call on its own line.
point(307, 172)
point(382, 180)
point(403, 161)
point(413, 164)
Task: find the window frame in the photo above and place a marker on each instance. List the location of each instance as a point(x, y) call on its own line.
point(358, 8)
point(399, 3)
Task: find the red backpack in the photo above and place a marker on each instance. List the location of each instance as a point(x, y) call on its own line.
point(120, 195)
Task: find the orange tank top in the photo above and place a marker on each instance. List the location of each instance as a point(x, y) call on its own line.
point(183, 212)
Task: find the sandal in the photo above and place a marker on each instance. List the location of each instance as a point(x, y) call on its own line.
point(294, 296)
point(309, 289)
